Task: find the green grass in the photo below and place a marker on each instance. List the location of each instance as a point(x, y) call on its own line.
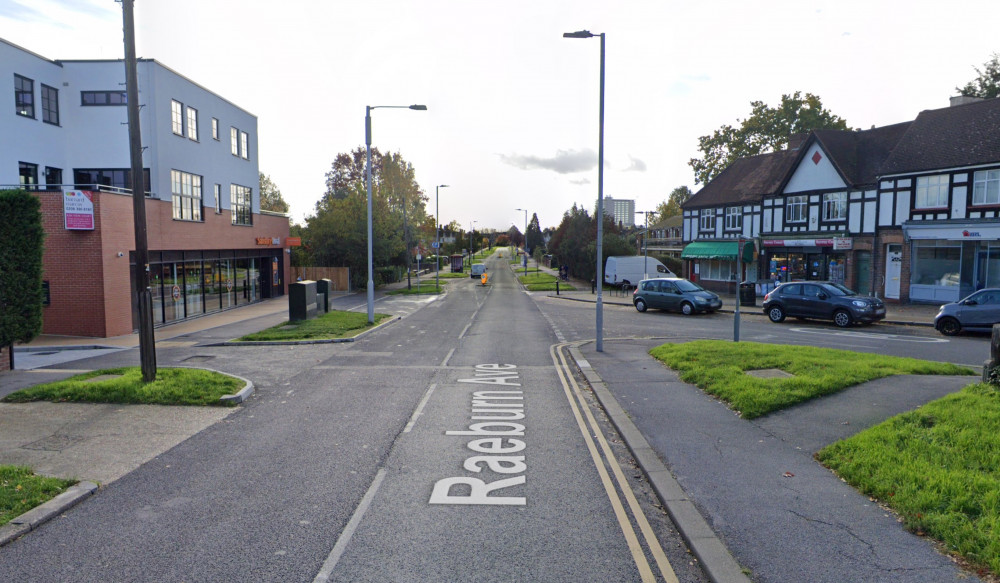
point(445, 275)
point(21, 490)
point(172, 386)
point(424, 287)
point(938, 468)
point(718, 366)
point(542, 281)
point(331, 325)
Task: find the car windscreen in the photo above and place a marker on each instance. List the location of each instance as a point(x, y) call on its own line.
point(687, 286)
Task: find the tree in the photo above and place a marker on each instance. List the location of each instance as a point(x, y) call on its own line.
point(270, 196)
point(672, 206)
point(574, 242)
point(515, 236)
point(533, 237)
point(987, 84)
point(21, 237)
point(767, 129)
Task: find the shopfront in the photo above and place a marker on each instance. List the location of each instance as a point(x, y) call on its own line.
point(713, 264)
point(807, 259)
point(949, 262)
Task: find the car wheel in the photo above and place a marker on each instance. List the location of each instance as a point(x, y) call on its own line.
point(949, 326)
point(687, 309)
point(640, 305)
point(842, 318)
point(776, 314)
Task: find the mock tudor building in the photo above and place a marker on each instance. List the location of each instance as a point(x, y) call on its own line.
point(66, 140)
point(909, 212)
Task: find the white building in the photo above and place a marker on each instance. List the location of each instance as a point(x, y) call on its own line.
point(621, 210)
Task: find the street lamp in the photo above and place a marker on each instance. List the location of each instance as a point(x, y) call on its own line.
point(525, 239)
point(472, 227)
point(437, 234)
point(368, 180)
point(645, 246)
point(600, 194)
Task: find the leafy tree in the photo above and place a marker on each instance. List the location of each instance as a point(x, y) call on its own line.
point(270, 196)
point(346, 171)
point(767, 129)
point(987, 84)
point(502, 240)
point(534, 235)
point(515, 236)
point(672, 206)
point(21, 237)
point(574, 242)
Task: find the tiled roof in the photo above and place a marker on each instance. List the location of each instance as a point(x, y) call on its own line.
point(963, 135)
point(859, 154)
point(745, 180)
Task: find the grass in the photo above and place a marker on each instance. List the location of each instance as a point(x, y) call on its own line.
point(21, 490)
point(542, 281)
point(718, 366)
point(424, 287)
point(329, 326)
point(938, 468)
point(172, 386)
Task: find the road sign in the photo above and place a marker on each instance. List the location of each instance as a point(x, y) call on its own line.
point(435, 245)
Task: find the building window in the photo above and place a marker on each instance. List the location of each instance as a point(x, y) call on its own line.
point(241, 204)
point(937, 263)
point(986, 187)
point(121, 178)
point(244, 150)
point(29, 175)
point(707, 220)
point(186, 190)
point(24, 96)
point(234, 141)
point(218, 198)
point(932, 191)
point(50, 105)
point(796, 209)
point(734, 218)
point(192, 121)
point(215, 129)
point(89, 98)
point(835, 206)
point(53, 176)
point(177, 117)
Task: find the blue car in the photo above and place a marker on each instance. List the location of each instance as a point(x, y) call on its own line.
point(674, 294)
point(978, 311)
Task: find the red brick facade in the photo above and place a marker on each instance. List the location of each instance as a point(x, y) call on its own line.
point(88, 271)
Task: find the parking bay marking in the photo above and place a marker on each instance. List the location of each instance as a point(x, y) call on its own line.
point(871, 335)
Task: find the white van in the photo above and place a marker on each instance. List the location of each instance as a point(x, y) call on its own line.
point(630, 269)
point(477, 271)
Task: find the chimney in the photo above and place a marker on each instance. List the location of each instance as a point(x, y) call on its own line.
point(964, 99)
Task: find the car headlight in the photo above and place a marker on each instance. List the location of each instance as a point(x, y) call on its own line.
point(861, 304)
point(700, 300)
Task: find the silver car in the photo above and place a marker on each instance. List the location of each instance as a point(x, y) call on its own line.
point(978, 311)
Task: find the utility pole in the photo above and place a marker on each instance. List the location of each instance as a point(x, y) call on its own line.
point(140, 275)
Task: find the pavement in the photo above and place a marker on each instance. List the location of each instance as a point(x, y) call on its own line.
point(717, 475)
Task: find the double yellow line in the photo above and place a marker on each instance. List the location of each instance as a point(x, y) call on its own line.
point(590, 429)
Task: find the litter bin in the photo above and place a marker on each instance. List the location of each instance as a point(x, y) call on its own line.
point(748, 294)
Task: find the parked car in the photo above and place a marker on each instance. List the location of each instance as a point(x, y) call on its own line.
point(978, 311)
point(823, 300)
point(674, 293)
point(630, 269)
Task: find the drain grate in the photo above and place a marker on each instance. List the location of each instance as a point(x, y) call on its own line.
point(198, 358)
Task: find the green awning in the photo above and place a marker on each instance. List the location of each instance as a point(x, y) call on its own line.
point(718, 250)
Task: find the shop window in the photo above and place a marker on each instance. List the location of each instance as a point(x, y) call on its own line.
point(986, 187)
point(932, 191)
point(937, 263)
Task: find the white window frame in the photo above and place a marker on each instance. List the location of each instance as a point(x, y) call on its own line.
point(931, 192)
point(177, 117)
point(797, 209)
point(186, 191)
point(835, 206)
point(241, 204)
point(192, 123)
point(706, 220)
point(215, 129)
point(234, 141)
point(244, 146)
point(986, 187)
point(734, 218)
point(218, 198)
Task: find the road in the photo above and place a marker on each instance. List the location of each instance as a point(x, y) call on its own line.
point(448, 446)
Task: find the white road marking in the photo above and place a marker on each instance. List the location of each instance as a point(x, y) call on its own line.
point(870, 335)
point(345, 537)
point(444, 362)
point(420, 408)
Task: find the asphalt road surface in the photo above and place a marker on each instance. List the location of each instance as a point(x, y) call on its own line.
point(448, 446)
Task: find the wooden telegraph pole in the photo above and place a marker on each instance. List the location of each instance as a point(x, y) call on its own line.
point(140, 275)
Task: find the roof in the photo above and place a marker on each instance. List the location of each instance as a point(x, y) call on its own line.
point(745, 180)
point(674, 221)
point(961, 135)
point(859, 155)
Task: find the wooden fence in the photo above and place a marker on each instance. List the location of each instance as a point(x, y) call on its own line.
point(340, 277)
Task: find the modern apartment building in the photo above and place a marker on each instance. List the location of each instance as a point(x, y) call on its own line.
point(622, 210)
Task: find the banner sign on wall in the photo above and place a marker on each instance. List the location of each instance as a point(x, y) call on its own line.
point(78, 210)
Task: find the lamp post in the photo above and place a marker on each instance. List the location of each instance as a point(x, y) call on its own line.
point(525, 239)
point(472, 227)
point(645, 245)
point(437, 235)
point(368, 181)
point(599, 278)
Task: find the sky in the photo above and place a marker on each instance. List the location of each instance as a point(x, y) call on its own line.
point(513, 107)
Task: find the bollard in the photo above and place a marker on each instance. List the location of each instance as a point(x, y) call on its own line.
point(991, 368)
point(557, 287)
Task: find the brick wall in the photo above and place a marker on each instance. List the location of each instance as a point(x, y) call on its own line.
point(4, 358)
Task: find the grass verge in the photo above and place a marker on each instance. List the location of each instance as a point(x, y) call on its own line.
point(718, 367)
point(423, 287)
point(329, 326)
point(21, 490)
point(541, 281)
point(938, 468)
point(172, 386)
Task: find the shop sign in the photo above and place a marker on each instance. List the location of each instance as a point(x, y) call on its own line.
point(78, 210)
point(293, 241)
point(800, 242)
point(843, 243)
point(269, 240)
point(954, 233)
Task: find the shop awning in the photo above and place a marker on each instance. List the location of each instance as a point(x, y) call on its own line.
point(718, 250)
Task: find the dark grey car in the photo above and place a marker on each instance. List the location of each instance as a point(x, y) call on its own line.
point(978, 311)
point(675, 294)
point(822, 300)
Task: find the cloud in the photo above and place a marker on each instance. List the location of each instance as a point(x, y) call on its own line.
point(564, 162)
point(55, 11)
point(580, 182)
point(17, 11)
point(635, 165)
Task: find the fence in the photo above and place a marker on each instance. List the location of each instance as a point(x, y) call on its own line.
point(340, 277)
